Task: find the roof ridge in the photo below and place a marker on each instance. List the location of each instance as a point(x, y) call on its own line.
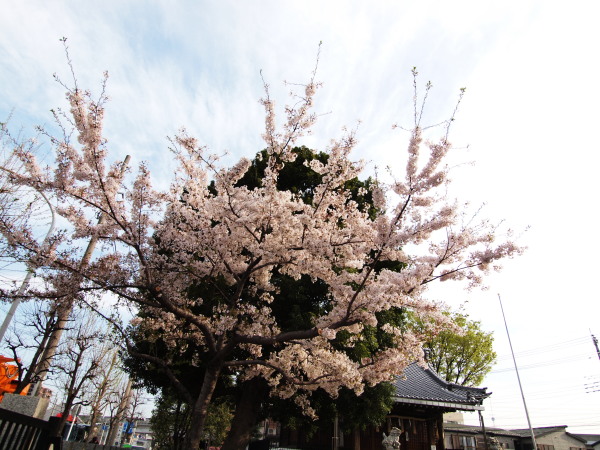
point(423, 383)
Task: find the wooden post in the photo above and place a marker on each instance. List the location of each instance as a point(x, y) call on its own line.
point(440, 429)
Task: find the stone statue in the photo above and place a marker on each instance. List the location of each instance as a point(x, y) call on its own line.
point(393, 440)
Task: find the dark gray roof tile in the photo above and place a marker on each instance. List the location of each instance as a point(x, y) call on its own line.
point(540, 431)
point(418, 383)
point(476, 429)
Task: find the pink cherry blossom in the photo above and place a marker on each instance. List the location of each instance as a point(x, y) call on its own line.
point(155, 245)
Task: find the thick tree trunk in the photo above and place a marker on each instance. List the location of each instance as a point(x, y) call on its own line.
point(200, 410)
point(93, 428)
point(356, 436)
point(65, 412)
point(98, 400)
point(246, 414)
point(123, 405)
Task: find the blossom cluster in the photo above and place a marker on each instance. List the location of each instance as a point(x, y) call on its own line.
point(211, 230)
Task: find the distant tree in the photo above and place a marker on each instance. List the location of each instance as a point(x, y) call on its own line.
point(79, 359)
point(171, 422)
point(38, 321)
point(19, 205)
point(131, 415)
point(110, 377)
point(114, 408)
point(463, 357)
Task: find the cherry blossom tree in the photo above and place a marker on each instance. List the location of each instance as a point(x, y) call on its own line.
point(209, 230)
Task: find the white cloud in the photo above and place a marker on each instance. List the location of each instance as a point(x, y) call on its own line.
point(529, 114)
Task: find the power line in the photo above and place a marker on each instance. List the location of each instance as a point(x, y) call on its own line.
point(546, 348)
point(570, 358)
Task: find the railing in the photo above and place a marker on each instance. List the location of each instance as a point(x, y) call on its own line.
point(73, 445)
point(273, 444)
point(21, 432)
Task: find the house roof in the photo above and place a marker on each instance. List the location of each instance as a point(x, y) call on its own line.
point(590, 439)
point(419, 385)
point(476, 429)
point(542, 431)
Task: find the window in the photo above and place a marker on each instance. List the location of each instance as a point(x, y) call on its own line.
point(545, 447)
point(467, 443)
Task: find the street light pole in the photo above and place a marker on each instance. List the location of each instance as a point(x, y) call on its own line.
point(65, 312)
point(518, 377)
point(25, 283)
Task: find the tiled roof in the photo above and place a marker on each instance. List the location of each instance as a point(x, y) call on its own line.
point(476, 429)
point(540, 431)
point(420, 385)
point(590, 439)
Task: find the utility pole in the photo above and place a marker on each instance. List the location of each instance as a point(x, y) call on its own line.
point(595, 341)
point(15, 303)
point(518, 377)
point(65, 310)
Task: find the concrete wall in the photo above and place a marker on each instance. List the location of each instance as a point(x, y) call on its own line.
point(506, 441)
point(560, 440)
point(24, 404)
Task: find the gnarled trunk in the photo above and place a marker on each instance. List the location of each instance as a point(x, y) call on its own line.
point(246, 414)
point(198, 416)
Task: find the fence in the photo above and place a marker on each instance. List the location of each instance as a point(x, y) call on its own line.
point(273, 444)
point(21, 432)
point(72, 445)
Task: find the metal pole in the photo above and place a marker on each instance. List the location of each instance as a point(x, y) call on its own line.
point(25, 283)
point(101, 440)
point(595, 341)
point(65, 312)
point(518, 377)
point(73, 422)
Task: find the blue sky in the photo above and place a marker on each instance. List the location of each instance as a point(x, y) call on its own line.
point(528, 122)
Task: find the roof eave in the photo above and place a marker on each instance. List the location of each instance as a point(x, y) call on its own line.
point(460, 406)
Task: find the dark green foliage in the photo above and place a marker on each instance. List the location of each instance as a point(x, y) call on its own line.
point(354, 411)
point(296, 306)
point(369, 408)
point(171, 420)
point(299, 302)
point(152, 375)
point(299, 179)
point(295, 177)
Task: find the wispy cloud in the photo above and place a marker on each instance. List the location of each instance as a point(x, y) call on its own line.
point(529, 114)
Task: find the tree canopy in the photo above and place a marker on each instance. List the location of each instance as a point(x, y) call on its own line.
point(464, 357)
point(235, 243)
point(297, 304)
